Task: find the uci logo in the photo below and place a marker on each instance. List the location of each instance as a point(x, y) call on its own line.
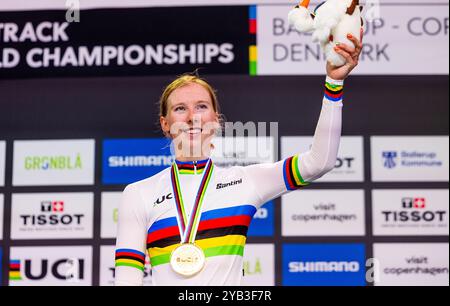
point(161, 200)
point(64, 269)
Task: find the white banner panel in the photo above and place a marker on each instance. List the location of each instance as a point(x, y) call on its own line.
point(405, 39)
point(53, 162)
point(323, 213)
point(259, 265)
point(350, 162)
point(243, 151)
point(110, 212)
point(107, 267)
point(410, 212)
point(51, 266)
point(6, 5)
point(52, 216)
point(2, 203)
point(2, 162)
point(410, 158)
point(412, 264)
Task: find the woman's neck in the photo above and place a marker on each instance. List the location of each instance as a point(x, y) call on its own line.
point(191, 158)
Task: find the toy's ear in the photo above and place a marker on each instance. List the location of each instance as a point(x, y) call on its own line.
point(352, 7)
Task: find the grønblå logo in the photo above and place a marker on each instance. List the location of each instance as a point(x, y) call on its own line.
point(129, 160)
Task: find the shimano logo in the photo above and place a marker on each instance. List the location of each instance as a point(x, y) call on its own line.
point(140, 161)
point(324, 266)
point(221, 186)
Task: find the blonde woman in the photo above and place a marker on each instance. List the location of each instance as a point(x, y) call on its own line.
point(193, 230)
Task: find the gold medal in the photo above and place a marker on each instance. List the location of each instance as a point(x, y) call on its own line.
point(187, 259)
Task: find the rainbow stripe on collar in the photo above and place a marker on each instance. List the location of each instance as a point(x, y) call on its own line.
point(191, 167)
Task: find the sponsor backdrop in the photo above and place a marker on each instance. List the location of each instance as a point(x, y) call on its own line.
point(79, 122)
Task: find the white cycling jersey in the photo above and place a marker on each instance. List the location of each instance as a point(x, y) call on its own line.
point(148, 215)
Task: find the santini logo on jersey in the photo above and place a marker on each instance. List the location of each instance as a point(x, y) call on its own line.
point(237, 182)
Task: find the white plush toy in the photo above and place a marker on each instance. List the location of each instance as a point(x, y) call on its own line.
point(330, 23)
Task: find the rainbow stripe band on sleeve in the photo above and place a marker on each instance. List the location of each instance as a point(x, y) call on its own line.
point(291, 174)
point(130, 258)
point(334, 92)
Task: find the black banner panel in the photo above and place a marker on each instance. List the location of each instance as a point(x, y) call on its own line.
point(121, 42)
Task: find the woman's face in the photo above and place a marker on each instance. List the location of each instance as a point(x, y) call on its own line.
point(191, 120)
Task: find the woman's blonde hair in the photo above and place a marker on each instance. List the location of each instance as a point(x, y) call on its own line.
point(182, 81)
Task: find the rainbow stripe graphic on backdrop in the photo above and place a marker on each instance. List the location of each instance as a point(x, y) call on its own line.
point(253, 49)
point(14, 270)
point(221, 232)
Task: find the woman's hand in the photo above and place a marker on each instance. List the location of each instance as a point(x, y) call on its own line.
point(350, 54)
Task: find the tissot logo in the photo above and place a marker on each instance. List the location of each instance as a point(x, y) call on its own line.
point(49, 206)
point(344, 162)
point(51, 215)
point(413, 203)
point(410, 212)
point(414, 210)
point(349, 166)
point(225, 185)
point(162, 199)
